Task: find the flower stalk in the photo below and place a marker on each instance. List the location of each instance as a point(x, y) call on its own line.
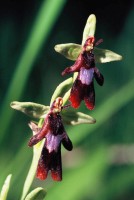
point(49, 132)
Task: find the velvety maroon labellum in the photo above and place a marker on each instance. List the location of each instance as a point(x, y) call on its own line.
point(54, 133)
point(83, 87)
point(50, 161)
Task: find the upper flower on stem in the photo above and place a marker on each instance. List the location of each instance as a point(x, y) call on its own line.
point(86, 56)
point(83, 87)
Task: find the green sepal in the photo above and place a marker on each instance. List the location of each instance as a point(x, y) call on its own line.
point(90, 27)
point(75, 118)
point(72, 51)
point(31, 109)
point(62, 89)
point(69, 50)
point(105, 55)
point(5, 188)
point(36, 194)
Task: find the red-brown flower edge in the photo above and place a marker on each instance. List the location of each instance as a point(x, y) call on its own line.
point(55, 134)
point(83, 87)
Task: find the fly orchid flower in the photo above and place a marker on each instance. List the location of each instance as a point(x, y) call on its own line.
point(83, 87)
point(85, 56)
point(55, 134)
point(51, 122)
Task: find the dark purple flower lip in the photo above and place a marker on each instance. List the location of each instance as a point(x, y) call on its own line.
point(54, 133)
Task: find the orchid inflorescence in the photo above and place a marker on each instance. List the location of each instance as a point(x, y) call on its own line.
point(75, 89)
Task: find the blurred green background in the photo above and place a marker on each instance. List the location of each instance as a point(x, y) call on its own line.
point(101, 165)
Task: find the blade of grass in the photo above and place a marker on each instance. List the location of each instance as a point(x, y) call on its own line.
point(44, 22)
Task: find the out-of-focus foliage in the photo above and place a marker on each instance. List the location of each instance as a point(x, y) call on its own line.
point(94, 169)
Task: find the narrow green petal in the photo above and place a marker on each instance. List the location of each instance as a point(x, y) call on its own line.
point(62, 89)
point(5, 188)
point(104, 55)
point(75, 118)
point(37, 194)
point(31, 109)
point(69, 50)
point(90, 27)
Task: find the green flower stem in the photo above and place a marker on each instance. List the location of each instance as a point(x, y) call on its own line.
point(66, 97)
point(67, 94)
point(29, 179)
point(37, 149)
point(62, 90)
point(44, 22)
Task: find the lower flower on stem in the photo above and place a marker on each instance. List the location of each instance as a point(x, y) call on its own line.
point(55, 134)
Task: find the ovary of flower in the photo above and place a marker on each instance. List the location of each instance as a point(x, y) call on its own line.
point(57, 105)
